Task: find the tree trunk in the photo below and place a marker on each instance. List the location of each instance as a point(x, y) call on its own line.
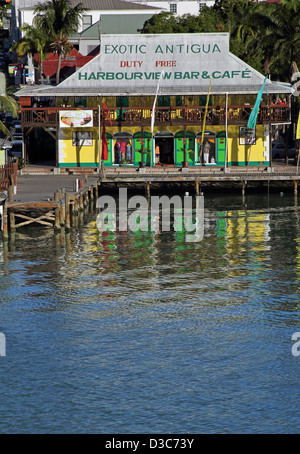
point(58, 68)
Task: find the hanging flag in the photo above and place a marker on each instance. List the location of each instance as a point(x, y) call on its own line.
point(104, 150)
point(204, 119)
point(153, 108)
point(298, 127)
point(253, 116)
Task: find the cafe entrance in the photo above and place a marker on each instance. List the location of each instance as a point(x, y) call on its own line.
point(164, 148)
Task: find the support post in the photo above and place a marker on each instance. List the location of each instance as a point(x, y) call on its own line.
point(148, 189)
point(11, 193)
point(226, 133)
point(57, 219)
point(67, 211)
point(62, 215)
point(12, 221)
point(5, 223)
point(243, 188)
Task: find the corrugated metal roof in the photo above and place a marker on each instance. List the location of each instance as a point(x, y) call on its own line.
point(104, 5)
point(46, 90)
point(115, 24)
point(110, 5)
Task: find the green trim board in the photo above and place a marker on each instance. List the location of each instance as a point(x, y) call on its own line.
point(250, 163)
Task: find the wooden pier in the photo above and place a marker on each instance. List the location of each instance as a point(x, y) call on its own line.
point(55, 201)
point(35, 206)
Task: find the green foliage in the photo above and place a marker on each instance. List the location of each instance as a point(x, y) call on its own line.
point(57, 20)
point(22, 163)
point(264, 35)
point(58, 17)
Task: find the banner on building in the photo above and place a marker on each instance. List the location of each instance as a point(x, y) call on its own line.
point(76, 118)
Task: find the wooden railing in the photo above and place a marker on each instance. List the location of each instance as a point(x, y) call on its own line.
point(6, 173)
point(49, 116)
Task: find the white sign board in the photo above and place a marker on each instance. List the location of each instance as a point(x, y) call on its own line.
point(133, 64)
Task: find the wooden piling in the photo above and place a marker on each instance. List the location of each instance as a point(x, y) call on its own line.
point(85, 199)
point(295, 186)
point(62, 215)
point(12, 221)
point(81, 207)
point(57, 219)
point(11, 193)
point(197, 187)
point(243, 188)
point(67, 211)
point(5, 223)
point(148, 189)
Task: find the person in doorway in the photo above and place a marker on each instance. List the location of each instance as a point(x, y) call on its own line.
point(157, 154)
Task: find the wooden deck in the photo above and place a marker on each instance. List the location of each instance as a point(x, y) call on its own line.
point(215, 174)
point(168, 116)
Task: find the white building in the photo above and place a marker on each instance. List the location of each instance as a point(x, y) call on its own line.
point(178, 7)
point(23, 12)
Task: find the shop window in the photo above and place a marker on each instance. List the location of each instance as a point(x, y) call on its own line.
point(178, 100)
point(164, 101)
point(80, 101)
point(206, 152)
point(203, 99)
point(122, 101)
point(123, 150)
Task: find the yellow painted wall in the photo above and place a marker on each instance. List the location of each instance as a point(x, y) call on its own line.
point(77, 155)
point(238, 154)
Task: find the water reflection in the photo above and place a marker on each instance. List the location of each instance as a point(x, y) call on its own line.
point(148, 313)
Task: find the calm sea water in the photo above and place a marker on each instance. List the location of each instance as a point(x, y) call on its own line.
point(143, 333)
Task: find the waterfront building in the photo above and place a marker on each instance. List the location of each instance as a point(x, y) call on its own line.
point(205, 97)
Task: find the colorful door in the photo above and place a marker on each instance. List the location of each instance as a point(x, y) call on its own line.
point(221, 148)
point(189, 140)
point(144, 140)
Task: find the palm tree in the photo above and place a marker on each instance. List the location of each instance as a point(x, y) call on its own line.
point(58, 19)
point(280, 38)
point(8, 105)
point(287, 32)
point(35, 41)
